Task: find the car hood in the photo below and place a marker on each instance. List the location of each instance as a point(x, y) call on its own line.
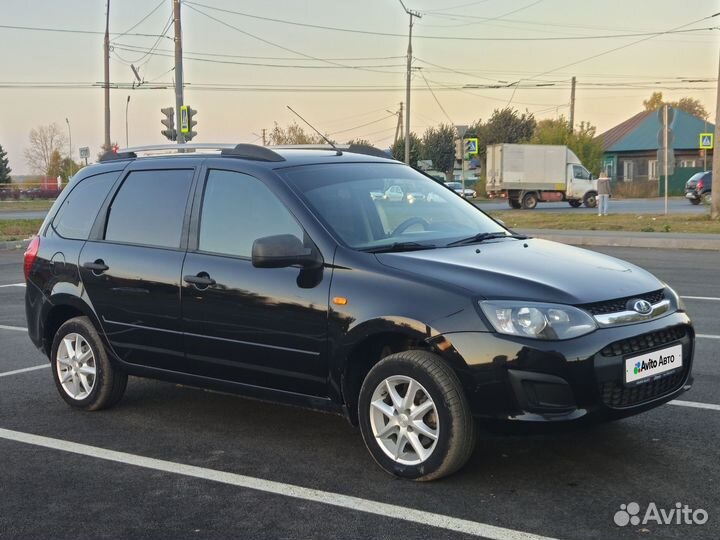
point(532, 270)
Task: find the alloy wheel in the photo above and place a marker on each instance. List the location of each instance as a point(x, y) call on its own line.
point(76, 368)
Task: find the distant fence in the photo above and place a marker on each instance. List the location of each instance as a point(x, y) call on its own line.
point(25, 191)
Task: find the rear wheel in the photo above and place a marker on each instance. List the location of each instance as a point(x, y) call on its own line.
point(575, 203)
point(81, 369)
point(414, 417)
point(529, 201)
point(514, 203)
point(590, 199)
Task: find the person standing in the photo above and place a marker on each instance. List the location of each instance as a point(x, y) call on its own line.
point(604, 193)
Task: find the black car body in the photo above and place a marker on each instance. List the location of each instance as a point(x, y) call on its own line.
point(698, 188)
point(307, 330)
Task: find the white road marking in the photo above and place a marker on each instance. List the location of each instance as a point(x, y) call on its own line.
point(695, 404)
point(710, 298)
point(24, 370)
point(13, 285)
point(278, 488)
point(16, 328)
point(706, 336)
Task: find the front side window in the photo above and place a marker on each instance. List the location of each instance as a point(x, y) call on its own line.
point(238, 209)
point(76, 215)
point(580, 173)
point(345, 198)
point(149, 208)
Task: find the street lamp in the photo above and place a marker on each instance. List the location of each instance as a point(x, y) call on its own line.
point(127, 136)
point(69, 138)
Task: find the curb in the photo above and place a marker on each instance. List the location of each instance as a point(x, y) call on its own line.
point(14, 244)
point(631, 241)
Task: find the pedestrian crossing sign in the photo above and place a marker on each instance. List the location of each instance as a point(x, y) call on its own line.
point(706, 141)
point(471, 146)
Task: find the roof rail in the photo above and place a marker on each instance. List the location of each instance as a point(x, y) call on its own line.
point(365, 149)
point(245, 151)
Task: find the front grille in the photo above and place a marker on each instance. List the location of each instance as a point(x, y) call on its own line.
point(615, 394)
point(645, 342)
point(620, 304)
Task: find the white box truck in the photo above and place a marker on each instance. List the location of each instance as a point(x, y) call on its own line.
point(527, 174)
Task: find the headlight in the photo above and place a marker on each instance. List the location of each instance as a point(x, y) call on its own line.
point(674, 297)
point(535, 320)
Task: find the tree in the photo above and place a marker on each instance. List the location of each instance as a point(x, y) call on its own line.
point(438, 145)
point(44, 140)
point(68, 168)
point(293, 134)
point(689, 105)
point(582, 141)
point(398, 149)
point(363, 142)
point(5, 169)
point(504, 126)
point(55, 166)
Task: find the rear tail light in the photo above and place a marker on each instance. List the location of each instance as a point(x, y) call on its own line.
point(699, 185)
point(30, 256)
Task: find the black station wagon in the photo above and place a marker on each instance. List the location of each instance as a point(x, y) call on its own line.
point(275, 273)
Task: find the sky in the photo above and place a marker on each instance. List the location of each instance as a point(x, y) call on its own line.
point(357, 79)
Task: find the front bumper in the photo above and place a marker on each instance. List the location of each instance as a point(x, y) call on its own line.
point(692, 195)
point(580, 379)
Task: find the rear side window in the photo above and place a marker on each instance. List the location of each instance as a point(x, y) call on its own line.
point(149, 208)
point(78, 211)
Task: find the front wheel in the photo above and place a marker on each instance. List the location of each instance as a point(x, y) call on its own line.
point(81, 368)
point(694, 202)
point(590, 199)
point(414, 417)
point(707, 197)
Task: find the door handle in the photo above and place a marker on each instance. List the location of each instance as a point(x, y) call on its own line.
point(201, 280)
point(97, 267)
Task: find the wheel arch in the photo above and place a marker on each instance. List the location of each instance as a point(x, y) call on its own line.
point(61, 308)
point(368, 343)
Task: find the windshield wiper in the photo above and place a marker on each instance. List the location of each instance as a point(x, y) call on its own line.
point(399, 246)
point(481, 237)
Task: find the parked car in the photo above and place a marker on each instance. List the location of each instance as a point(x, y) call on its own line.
point(698, 188)
point(458, 188)
point(394, 193)
point(415, 197)
point(272, 273)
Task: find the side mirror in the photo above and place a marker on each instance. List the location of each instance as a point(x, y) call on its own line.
point(283, 250)
point(593, 177)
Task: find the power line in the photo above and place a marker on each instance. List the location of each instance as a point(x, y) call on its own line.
point(455, 38)
point(148, 52)
point(134, 26)
point(436, 99)
point(363, 125)
point(70, 31)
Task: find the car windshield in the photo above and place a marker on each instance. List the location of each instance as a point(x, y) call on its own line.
point(374, 205)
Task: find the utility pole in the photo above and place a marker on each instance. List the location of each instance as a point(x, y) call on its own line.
point(402, 132)
point(412, 14)
point(127, 131)
point(178, 70)
point(572, 106)
point(107, 77)
point(715, 204)
point(665, 145)
point(264, 143)
point(398, 126)
point(67, 121)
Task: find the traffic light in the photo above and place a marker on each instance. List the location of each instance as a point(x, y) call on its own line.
point(169, 123)
point(187, 122)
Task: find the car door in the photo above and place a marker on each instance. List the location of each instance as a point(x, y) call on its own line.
point(260, 326)
point(581, 181)
point(131, 266)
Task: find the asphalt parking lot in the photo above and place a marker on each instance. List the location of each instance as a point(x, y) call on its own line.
point(177, 462)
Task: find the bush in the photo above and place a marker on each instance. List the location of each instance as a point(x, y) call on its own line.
point(637, 189)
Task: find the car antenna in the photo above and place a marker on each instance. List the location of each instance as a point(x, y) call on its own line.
point(339, 152)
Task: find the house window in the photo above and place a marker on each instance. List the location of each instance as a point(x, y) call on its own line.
point(688, 163)
point(652, 169)
point(628, 170)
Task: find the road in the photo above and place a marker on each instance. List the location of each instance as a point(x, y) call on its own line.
point(676, 205)
point(132, 480)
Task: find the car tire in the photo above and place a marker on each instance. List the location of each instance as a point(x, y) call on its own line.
point(694, 202)
point(514, 203)
point(529, 201)
point(575, 203)
point(408, 449)
point(83, 373)
point(706, 197)
point(590, 199)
